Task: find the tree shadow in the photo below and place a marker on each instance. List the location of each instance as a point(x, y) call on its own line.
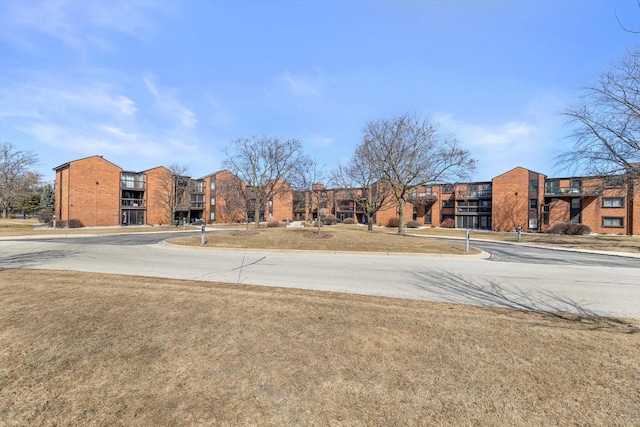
point(31, 259)
point(450, 287)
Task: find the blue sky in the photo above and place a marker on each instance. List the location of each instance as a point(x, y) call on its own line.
point(148, 83)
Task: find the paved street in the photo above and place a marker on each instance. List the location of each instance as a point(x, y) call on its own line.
point(514, 276)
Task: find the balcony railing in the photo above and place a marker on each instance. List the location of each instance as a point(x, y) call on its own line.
point(421, 197)
point(474, 209)
point(573, 191)
point(137, 185)
point(482, 194)
point(136, 203)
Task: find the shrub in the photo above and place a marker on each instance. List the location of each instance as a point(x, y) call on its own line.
point(393, 222)
point(579, 229)
point(560, 228)
point(570, 229)
point(413, 224)
point(329, 220)
point(448, 223)
point(273, 223)
point(348, 221)
point(72, 223)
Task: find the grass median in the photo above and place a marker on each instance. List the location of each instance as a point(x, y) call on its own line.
point(95, 349)
point(336, 238)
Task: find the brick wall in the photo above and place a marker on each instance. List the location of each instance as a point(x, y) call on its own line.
point(157, 194)
point(510, 200)
point(90, 190)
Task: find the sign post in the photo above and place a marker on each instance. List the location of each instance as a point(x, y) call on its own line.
point(466, 247)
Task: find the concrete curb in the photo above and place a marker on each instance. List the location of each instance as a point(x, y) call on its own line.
point(533, 245)
point(481, 255)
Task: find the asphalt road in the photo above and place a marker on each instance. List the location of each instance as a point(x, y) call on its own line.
point(514, 276)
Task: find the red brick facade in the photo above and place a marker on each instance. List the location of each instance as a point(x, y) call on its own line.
point(85, 192)
point(99, 193)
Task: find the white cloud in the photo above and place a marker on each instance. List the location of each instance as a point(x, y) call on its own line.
point(503, 146)
point(320, 141)
point(302, 85)
point(501, 136)
point(47, 98)
point(86, 118)
point(80, 25)
point(220, 116)
point(166, 103)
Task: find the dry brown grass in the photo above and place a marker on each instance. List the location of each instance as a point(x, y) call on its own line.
point(86, 349)
point(19, 227)
point(342, 238)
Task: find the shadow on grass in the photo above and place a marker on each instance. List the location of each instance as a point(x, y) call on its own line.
point(450, 287)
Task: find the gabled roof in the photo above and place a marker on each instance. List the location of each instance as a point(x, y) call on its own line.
point(516, 168)
point(216, 173)
point(64, 165)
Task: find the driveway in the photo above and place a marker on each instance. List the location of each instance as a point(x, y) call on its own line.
point(514, 276)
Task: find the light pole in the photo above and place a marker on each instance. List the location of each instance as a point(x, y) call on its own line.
point(96, 209)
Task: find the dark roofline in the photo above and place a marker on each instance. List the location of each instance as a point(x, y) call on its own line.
point(84, 158)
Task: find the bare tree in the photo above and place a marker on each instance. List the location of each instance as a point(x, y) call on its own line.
point(263, 164)
point(606, 123)
point(171, 193)
point(409, 152)
point(363, 183)
point(231, 198)
point(311, 183)
point(629, 30)
point(16, 177)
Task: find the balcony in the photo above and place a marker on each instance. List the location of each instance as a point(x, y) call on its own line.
point(590, 191)
point(132, 185)
point(481, 194)
point(132, 203)
point(422, 197)
point(486, 210)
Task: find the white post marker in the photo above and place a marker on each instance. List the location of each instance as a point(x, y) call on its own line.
point(467, 241)
point(202, 239)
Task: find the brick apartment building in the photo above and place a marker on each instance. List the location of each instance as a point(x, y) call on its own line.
point(98, 193)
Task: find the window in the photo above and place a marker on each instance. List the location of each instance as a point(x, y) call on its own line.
point(552, 187)
point(427, 218)
point(447, 203)
point(533, 223)
point(612, 202)
point(213, 201)
point(612, 221)
point(212, 216)
point(613, 182)
point(533, 205)
point(533, 184)
point(576, 203)
point(213, 184)
point(447, 189)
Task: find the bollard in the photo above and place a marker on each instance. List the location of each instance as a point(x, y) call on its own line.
point(467, 241)
point(202, 239)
